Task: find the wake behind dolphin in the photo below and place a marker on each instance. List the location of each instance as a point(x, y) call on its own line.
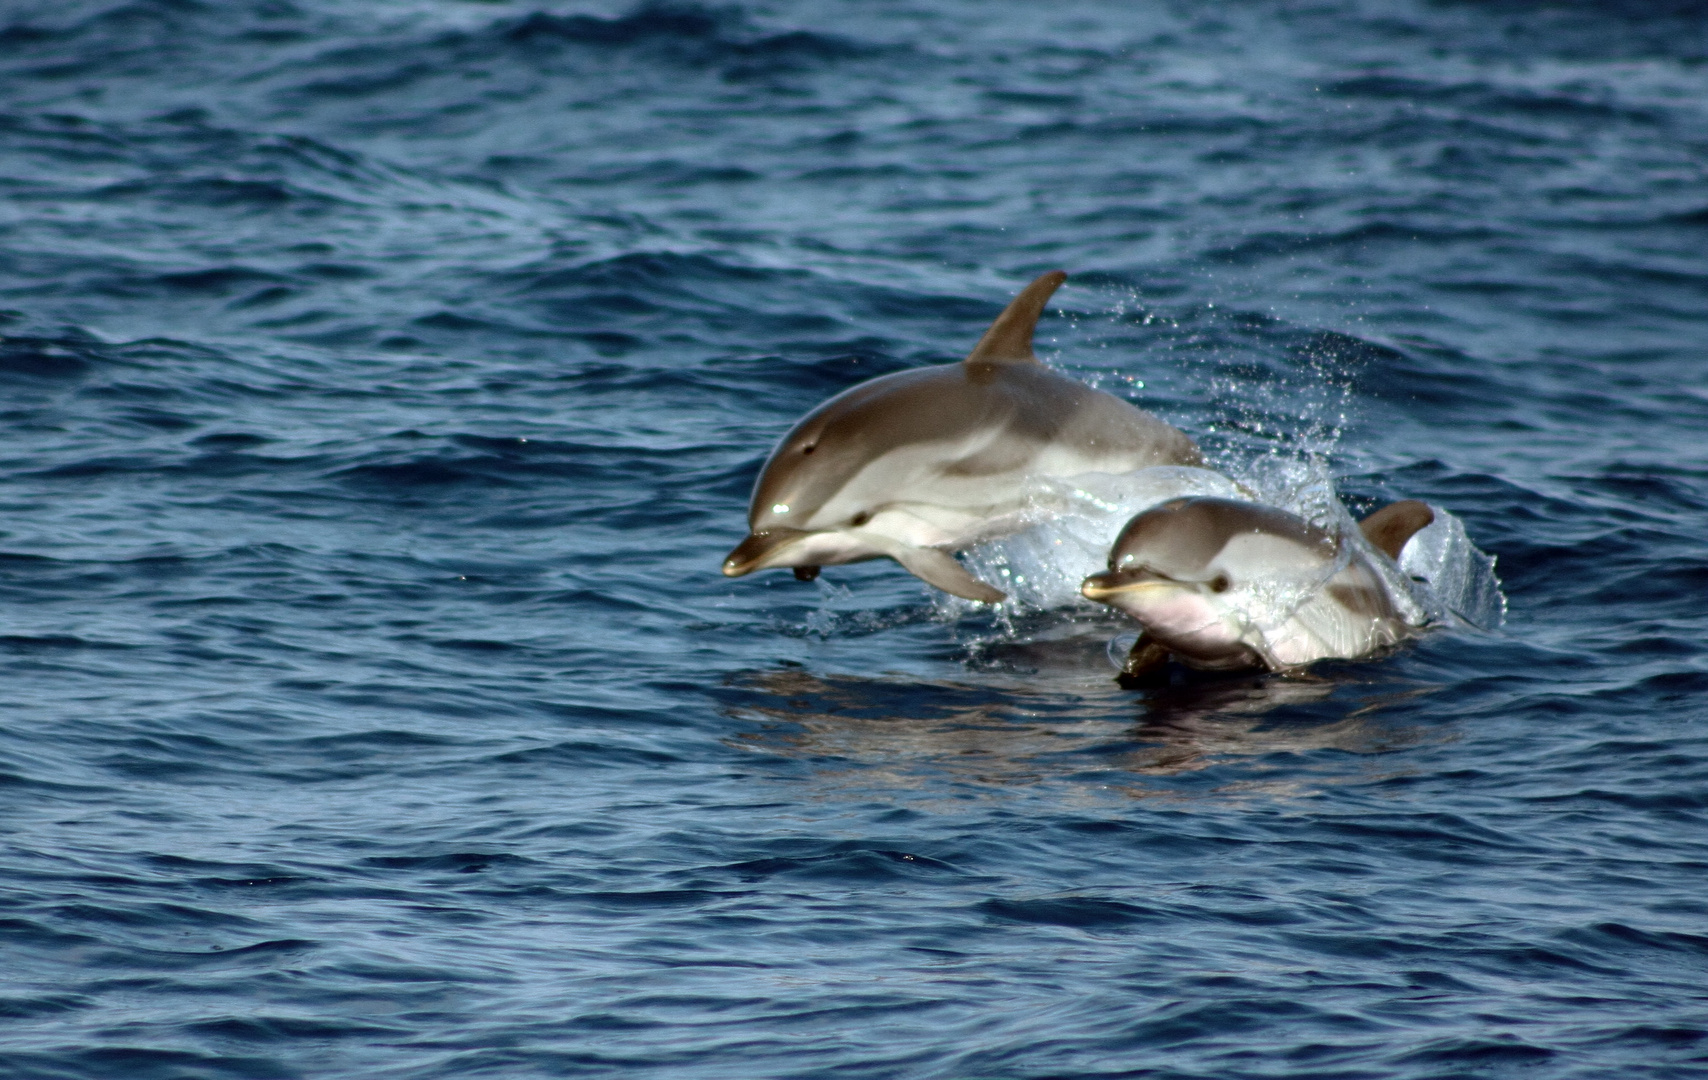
point(917, 465)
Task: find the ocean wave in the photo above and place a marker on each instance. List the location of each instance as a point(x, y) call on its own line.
point(383, 385)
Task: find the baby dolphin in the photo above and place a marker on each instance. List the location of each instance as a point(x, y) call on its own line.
point(916, 465)
point(1222, 584)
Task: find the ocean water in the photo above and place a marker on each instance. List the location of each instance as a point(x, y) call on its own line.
point(381, 387)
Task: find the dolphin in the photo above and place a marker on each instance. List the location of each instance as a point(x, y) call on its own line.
point(916, 465)
point(1223, 584)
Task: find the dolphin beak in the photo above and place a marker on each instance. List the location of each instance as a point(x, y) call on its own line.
point(1103, 585)
point(754, 552)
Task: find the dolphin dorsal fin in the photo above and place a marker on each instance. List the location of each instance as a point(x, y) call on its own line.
point(1389, 528)
point(1009, 339)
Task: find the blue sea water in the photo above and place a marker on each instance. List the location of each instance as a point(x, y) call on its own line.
point(382, 384)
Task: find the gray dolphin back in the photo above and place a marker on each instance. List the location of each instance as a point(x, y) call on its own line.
point(999, 405)
point(1180, 537)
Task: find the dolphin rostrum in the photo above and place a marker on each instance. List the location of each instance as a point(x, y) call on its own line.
point(1222, 584)
point(916, 465)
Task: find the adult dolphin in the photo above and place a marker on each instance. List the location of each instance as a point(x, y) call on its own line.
point(916, 465)
point(1221, 584)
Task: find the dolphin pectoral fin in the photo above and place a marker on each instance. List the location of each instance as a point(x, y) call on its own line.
point(1146, 665)
point(1009, 339)
point(940, 569)
point(933, 567)
point(1389, 528)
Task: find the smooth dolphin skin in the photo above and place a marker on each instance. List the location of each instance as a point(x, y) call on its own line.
point(1221, 584)
point(919, 464)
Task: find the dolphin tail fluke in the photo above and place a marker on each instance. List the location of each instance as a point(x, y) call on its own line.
point(1389, 528)
point(940, 569)
point(1009, 339)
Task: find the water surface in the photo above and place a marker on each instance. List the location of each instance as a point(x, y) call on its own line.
point(383, 384)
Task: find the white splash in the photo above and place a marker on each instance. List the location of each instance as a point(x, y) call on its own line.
point(1459, 577)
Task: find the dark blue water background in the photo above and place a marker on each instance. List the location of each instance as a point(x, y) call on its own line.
point(382, 386)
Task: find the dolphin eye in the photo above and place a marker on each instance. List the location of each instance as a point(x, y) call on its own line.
point(808, 449)
point(1219, 583)
point(861, 518)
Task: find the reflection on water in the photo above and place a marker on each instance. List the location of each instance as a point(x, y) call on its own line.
point(1035, 711)
point(1193, 725)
